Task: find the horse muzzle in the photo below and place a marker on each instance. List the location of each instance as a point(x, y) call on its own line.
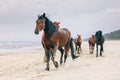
point(36, 32)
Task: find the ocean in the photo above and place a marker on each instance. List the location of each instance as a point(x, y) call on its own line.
point(13, 47)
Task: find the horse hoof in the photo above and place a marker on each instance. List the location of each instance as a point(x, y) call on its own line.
point(100, 54)
point(61, 62)
point(97, 56)
point(75, 57)
point(47, 69)
point(91, 52)
point(56, 65)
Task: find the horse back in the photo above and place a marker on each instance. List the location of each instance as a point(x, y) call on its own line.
point(61, 37)
point(100, 40)
point(91, 40)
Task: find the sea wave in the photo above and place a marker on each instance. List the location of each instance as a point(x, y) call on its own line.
point(9, 47)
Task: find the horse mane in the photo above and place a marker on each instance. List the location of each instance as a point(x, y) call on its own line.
point(98, 34)
point(49, 27)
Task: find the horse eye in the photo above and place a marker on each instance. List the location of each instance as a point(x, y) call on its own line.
point(38, 21)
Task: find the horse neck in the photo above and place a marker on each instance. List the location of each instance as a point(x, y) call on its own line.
point(93, 37)
point(79, 38)
point(50, 29)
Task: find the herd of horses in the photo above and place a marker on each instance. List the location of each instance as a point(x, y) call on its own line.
point(55, 38)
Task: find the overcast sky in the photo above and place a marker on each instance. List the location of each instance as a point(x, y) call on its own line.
point(85, 17)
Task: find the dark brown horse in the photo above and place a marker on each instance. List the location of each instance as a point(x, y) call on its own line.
point(53, 39)
point(91, 42)
point(57, 26)
point(99, 40)
point(78, 42)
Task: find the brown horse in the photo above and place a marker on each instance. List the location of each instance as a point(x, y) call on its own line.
point(53, 39)
point(91, 42)
point(78, 42)
point(56, 24)
point(61, 50)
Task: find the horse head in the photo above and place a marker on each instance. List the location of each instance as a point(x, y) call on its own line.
point(98, 34)
point(99, 37)
point(40, 23)
point(93, 36)
point(56, 24)
point(78, 37)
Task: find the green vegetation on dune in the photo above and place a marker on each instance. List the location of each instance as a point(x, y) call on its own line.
point(115, 35)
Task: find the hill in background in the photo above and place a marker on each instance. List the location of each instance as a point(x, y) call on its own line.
point(115, 35)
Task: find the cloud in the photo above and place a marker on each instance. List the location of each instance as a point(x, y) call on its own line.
point(79, 16)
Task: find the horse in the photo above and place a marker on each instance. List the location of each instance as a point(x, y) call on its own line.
point(53, 39)
point(91, 42)
point(56, 24)
point(99, 40)
point(61, 50)
point(78, 42)
point(72, 55)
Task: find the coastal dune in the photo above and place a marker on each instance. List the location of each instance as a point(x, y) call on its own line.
point(30, 66)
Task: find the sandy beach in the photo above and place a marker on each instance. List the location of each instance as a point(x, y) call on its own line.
point(30, 66)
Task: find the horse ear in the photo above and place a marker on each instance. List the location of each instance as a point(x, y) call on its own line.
point(43, 14)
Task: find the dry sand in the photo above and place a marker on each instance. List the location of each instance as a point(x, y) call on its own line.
point(30, 66)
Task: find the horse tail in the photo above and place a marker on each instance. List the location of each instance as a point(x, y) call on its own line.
point(72, 49)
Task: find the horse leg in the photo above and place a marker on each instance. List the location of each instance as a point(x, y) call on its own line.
point(89, 49)
point(53, 51)
point(80, 48)
point(66, 53)
point(101, 50)
point(54, 62)
point(92, 49)
point(102, 47)
point(45, 58)
point(76, 46)
point(72, 50)
point(97, 50)
point(47, 54)
point(62, 52)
